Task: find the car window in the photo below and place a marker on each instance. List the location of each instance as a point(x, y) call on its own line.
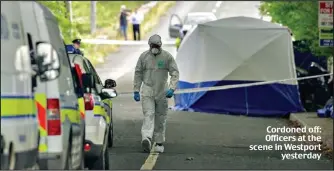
point(91, 71)
point(68, 62)
point(96, 76)
point(78, 59)
point(85, 67)
point(98, 84)
point(76, 80)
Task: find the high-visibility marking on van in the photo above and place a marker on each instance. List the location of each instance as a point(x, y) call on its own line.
point(109, 103)
point(16, 97)
point(27, 106)
point(40, 99)
point(96, 115)
point(5, 116)
point(81, 107)
point(69, 107)
point(100, 111)
point(71, 113)
point(43, 147)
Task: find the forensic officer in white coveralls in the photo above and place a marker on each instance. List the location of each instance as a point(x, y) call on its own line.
point(150, 80)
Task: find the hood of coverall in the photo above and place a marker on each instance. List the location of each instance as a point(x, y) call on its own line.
point(155, 44)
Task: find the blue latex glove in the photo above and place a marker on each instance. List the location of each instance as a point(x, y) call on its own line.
point(136, 96)
point(170, 93)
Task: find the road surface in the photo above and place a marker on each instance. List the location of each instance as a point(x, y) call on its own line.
point(194, 140)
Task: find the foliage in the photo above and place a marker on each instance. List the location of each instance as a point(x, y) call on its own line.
point(152, 17)
point(107, 13)
point(106, 21)
point(59, 10)
point(301, 18)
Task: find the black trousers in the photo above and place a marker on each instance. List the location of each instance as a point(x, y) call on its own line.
point(136, 31)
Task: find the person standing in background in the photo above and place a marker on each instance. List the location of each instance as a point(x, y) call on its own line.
point(123, 22)
point(136, 19)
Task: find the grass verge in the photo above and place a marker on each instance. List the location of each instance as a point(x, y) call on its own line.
point(107, 22)
point(97, 53)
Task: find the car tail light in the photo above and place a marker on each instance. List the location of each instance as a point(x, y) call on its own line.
point(89, 102)
point(87, 147)
point(54, 120)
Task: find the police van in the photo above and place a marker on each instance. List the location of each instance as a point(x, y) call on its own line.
point(19, 68)
point(61, 125)
point(98, 109)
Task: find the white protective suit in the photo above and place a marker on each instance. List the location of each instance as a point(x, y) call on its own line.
point(151, 76)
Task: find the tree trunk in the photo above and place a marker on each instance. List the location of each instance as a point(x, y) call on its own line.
point(92, 17)
point(69, 15)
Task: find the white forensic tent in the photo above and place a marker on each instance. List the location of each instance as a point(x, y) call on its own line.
point(238, 50)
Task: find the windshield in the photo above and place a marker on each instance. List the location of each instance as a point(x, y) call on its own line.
point(194, 20)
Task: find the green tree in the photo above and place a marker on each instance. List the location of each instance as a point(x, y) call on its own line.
point(301, 18)
point(59, 10)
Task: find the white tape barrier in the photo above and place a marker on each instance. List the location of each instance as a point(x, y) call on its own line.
point(193, 90)
point(121, 42)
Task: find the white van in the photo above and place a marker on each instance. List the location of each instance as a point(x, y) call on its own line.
point(61, 126)
point(19, 123)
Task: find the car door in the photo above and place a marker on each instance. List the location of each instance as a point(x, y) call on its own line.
point(79, 91)
point(96, 93)
point(107, 104)
point(175, 25)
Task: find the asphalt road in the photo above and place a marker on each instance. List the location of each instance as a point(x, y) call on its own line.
point(194, 140)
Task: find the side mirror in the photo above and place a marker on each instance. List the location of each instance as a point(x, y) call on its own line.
point(48, 61)
point(110, 83)
point(88, 81)
point(111, 92)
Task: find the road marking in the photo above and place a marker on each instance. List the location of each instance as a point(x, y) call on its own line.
point(151, 160)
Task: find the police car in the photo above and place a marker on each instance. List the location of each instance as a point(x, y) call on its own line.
point(98, 112)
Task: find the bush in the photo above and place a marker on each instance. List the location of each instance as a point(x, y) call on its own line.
point(301, 18)
point(97, 53)
point(59, 10)
point(107, 13)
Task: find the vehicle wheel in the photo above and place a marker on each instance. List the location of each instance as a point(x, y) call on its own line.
point(102, 162)
point(68, 164)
